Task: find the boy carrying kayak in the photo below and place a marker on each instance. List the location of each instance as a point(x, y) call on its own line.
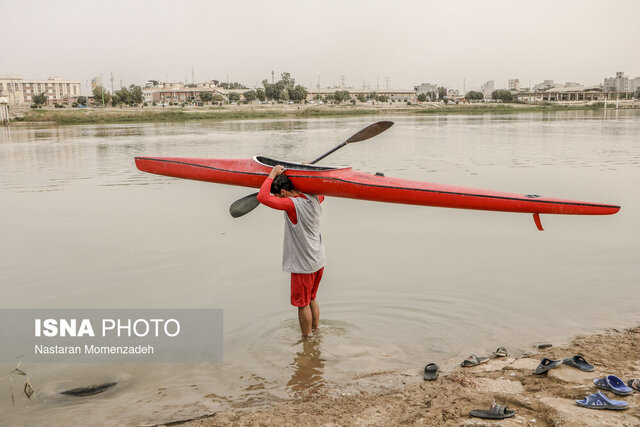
point(302, 252)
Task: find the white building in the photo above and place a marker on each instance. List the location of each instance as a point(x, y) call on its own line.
point(619, 83)
point(634, 84)
point(545, 85)
point(514, 84)
point(488, 88)
point(20, 91)
point(426, 88)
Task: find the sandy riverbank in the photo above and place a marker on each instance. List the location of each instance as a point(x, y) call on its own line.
point(238, 112)
point(546, 400)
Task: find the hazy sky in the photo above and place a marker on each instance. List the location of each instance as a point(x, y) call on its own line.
point(443, 42)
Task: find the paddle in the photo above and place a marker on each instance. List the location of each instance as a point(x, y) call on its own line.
point(248, 203)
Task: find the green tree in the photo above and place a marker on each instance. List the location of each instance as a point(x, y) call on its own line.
point(122, 96)
point(341, 95)
point(101, 96)
point(373, 96)
point(361, 97)
point(39, 100)
point(442, 92)
point(261, 95)
point(217, 98)
point(503, 95)
point(474, 95)
point(234, 97)
point(383, 98)
point(282, 90)
point(82, 100)
point(135, 95)
point(250, 96)
point(298, 94)
point(206, 96)
point(283, 95)
point(234, 85)
point(422, 97)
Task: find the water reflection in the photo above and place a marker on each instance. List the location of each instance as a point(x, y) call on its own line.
point(308, 364)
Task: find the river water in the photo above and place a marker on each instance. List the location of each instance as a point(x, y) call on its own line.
point(80, 226)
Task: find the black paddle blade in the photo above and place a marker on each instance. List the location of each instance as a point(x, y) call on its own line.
point(244, 206)
point(370, 131)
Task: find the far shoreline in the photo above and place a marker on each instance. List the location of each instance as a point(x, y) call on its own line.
point(278, 111)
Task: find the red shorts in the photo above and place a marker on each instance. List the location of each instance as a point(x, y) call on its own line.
point(304, 287)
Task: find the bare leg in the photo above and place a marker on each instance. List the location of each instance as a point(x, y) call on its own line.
point(315, 314)
point(304, 316)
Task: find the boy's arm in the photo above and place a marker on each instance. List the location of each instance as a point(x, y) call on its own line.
point(265, 197)
point(281, 203)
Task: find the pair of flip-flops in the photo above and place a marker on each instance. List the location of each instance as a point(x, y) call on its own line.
point(613, 384)
point(495, 412)
point(473, 360)
point(598, 400)
point(501, 352)
point(576, 361)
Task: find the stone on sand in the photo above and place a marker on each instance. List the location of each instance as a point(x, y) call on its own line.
point(571, 375)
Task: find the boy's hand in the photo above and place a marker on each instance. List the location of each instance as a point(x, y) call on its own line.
point(277, 170)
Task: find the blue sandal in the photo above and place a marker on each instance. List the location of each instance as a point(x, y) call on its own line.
point(614, 384)
point(598, 400)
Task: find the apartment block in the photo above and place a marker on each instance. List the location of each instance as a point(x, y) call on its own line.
point(19, 91)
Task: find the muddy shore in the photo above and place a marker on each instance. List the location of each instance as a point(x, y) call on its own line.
point(539, 400)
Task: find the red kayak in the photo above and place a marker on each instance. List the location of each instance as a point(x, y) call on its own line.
point(345, 182)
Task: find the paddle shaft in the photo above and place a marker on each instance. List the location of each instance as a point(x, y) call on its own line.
point(336, 148)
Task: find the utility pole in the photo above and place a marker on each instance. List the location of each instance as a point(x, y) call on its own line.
point(387, 80)
point(193, 76)
point(377, 84)
point(318, 85)
point(342, 81)
point(112, 82)
point(273, 77)
point(102, 87)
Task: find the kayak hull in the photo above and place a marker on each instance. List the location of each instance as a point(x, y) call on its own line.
point(347, 183)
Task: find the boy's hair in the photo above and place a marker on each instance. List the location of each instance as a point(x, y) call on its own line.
point(281, 182)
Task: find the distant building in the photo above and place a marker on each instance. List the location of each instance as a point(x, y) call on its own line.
point(619, 83)
point(514, 84)
point(395, 94)
point(20, 91)
point(575, 93)
point(545, 85)
point(488, 88)
point(425, 88)
point(178, 92)
point(572, 84)
point(634, 84)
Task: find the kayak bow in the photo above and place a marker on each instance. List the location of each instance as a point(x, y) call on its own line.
point(345, 182)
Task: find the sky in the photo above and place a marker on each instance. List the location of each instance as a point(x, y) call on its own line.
point(454, 43)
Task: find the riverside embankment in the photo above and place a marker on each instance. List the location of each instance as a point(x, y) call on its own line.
point(275, 111)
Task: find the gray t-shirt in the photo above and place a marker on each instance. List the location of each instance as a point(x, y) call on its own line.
point(303, 251)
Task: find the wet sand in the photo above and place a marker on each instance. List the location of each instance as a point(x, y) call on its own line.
point(404, 398)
